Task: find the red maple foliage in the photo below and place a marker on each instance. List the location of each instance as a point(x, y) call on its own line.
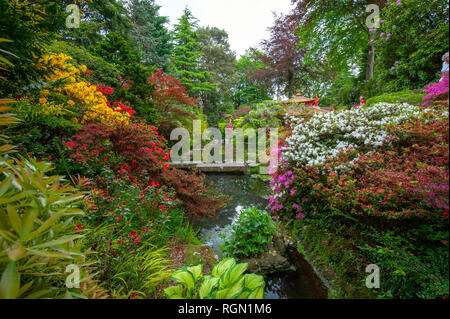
point(139, 151)
point(281, 54)
point(168, 91)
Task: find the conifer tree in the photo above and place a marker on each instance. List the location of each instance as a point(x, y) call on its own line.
point(150, 32)
point(186, 56)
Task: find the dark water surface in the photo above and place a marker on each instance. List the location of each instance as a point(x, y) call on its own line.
point(253, 192)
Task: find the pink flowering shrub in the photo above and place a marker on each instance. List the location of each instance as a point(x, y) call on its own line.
point(436, 91)
point(410, 180)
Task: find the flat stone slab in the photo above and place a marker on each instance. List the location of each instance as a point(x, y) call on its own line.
point(216, 167)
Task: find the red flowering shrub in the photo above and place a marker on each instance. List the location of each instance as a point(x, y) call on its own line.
point(139, 152)
point(409, 180)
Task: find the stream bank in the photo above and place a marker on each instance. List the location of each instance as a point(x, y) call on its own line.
point(301, 282)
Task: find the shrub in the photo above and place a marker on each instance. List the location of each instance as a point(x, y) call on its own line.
point(388, 203)
point(436, 92)
point(38, 234)
point(407, 96)
point(266, 114)
point(42, 127)
point(252, 232)
point(408, 181)
point(227, 281)
point(131, 264)
point(326, 134)
point(141, 153)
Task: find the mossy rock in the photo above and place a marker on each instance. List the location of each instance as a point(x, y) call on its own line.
point(201, 254)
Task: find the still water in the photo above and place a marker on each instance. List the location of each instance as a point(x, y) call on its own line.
point(253, 192)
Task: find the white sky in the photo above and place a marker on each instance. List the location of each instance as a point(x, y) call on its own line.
point(246, 21)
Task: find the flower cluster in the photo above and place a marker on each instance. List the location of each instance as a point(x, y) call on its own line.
point(141, 154)
point(90, 97)
point(326, 134)
point(436, 91)
point(408, 179)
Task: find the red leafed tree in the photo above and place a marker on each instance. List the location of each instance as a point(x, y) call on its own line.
point(281, 54)
point(169, 91)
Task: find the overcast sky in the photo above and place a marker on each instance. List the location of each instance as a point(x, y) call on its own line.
point(246, 21)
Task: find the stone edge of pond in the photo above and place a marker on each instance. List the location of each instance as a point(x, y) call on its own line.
point(319, 270)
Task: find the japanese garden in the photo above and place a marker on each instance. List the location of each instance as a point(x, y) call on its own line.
point(144, 158)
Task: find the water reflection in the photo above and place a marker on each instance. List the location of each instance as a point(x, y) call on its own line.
point(252, 192)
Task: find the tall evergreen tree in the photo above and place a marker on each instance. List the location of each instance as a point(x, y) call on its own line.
point(220, 60)
point(186, 56)
point(150, 32)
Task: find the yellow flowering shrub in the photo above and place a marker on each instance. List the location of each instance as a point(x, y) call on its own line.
point(95, 103)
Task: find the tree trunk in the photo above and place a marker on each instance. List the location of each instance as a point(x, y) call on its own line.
point(370, 63)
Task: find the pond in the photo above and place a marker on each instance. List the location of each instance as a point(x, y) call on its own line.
point(247, 191)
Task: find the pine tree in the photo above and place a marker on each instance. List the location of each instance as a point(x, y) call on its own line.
point(150, 32)
point(186, 56)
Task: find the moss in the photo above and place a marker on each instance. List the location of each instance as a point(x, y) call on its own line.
point(335, 258)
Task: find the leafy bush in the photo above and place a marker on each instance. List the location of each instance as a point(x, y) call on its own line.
point(379, 203)
point(266, 114)
point(409, 181)
point(42, 127)
point(327, 134)
point(131, 264)
point(141, 153)
point(38, 234)
point(436, 92)
point(227, 281)
point(410, 43)
point(407, 96)
point(252, 232)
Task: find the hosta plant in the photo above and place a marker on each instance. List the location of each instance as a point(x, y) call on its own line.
point(227, 281)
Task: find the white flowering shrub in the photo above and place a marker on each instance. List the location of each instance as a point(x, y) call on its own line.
point(326, 134)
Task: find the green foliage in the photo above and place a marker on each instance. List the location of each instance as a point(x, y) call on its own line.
point(227, 281)
point(99, 17)
point(30, 27)
point(218, 59)
point(186, 56)
point(150, 33)
point(102, 71)
point(422, 274)
point(37, 232)
point(247, 90)
point(132, 264)
point(419, 38)
point(405, 96)
point(6, 119)
point(252, 232)
point(42, 128)
point(116, 50)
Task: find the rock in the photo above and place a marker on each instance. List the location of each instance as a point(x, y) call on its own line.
point(269, 262)
point(201, 254)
